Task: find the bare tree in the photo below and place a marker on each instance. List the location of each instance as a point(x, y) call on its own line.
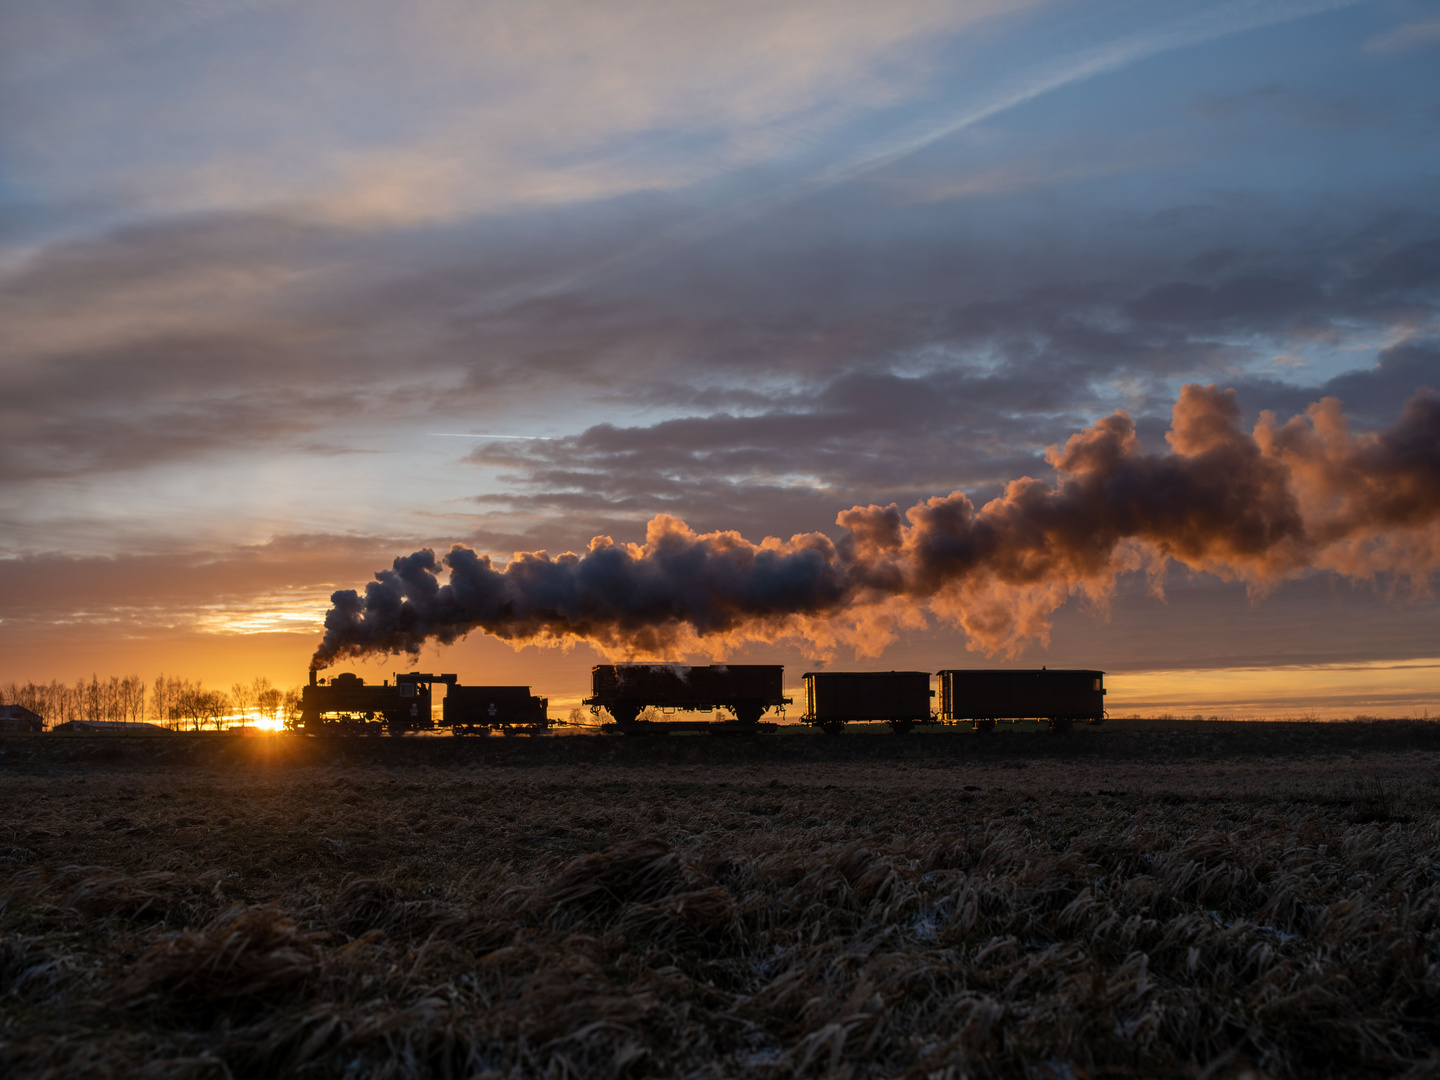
point(166, 703)
point(171, 701)
point(110, 700)
point(214, 705)
point(268, 699)
point(189, 703)
point(64, 705)
point(132, 699)
point(89, 697)
point(243, 698)
point(292, 705)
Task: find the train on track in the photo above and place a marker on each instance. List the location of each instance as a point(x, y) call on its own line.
point(640, 698)
point(344, 705)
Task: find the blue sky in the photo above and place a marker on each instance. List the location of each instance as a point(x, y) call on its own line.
point(748, 264)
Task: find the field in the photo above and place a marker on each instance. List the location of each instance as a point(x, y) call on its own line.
point(1227, 902)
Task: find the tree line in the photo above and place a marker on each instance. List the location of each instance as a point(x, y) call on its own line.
point(171, 702)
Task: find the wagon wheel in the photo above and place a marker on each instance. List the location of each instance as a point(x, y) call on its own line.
point(1061, 724)
point(902, 727)
point(984, 727)
point(748, 713)
point(625, 714)
point(833, 727)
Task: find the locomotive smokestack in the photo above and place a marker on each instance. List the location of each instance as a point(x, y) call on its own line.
point(1256, 506)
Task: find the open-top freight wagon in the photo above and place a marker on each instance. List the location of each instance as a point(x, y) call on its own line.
point(344, 705)
point(747, 691)
point(1059, 696)
point(836, 698)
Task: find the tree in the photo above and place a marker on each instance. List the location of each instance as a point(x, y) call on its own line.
point(160, 700)
point(269, 699)
point(110, 701)
point(89, 694)
point(243, 699)
point(193, 703)
point(294, 699)
point(132, 699)
point(214, 706)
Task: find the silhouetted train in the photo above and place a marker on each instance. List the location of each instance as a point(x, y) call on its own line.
point(345, 705)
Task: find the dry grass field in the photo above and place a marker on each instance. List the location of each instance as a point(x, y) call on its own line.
point(1188, 915)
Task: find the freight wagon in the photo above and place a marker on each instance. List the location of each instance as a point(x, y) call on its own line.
point(746, 690)
point(1059, 696)
point(479, 710)
point(836, 698)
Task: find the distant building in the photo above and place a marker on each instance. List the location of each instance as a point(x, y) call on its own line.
point(110, 727)
point(19, 718)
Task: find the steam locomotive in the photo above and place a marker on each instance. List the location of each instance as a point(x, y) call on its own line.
point(1061, 697)
point(346, 706)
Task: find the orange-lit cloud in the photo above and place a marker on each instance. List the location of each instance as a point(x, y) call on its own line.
point(1251, 506)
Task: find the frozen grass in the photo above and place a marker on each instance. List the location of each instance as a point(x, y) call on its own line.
point(1057, 919)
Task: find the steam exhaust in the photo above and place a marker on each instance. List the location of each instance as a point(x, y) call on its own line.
point(1256, 506)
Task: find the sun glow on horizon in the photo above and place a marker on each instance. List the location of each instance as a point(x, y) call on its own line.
point(1325, 691)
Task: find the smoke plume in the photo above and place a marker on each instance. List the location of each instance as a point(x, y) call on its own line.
point(1254, 506)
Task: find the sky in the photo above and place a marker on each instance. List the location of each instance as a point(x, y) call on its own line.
point(292, 288)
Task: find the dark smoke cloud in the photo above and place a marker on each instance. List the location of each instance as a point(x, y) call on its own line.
point(1254, 506)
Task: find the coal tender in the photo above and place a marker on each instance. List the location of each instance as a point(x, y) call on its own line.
point(836, 698)
point(747, 691)
point(479, 710)
point(1058, 695)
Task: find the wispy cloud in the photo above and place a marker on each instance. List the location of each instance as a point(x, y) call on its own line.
point(1414, 35)
point(1045, 78)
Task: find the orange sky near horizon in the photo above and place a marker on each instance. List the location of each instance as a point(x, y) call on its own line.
point(1406, 688)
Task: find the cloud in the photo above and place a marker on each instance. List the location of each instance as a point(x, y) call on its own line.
point(200, 588)
point(1255, 507)
point(850, 346)
point(1412, 35)
point(366, 113)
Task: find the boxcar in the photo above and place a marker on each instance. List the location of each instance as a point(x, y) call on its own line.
point(1058, 695)
point(835, 698)
point(514, 710)
point(747, 690)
